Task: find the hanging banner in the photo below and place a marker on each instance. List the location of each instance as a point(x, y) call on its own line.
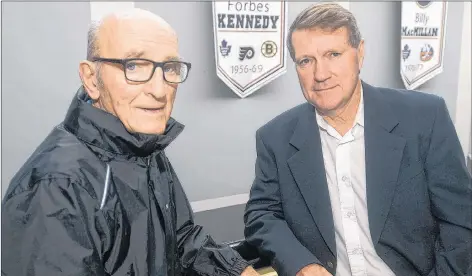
point(423, 33)
point(249, 42)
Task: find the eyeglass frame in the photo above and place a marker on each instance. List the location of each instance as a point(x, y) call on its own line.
point(156, 64)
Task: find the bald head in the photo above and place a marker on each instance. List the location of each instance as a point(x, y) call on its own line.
point(110, 22)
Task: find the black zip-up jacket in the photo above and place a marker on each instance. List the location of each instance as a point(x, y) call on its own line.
point(94, 199)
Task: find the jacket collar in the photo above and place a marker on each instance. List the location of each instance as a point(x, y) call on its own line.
point(375, 108)
point(101, 129)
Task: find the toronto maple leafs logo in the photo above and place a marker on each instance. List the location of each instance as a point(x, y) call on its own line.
point(406, 52)
point(225, 49)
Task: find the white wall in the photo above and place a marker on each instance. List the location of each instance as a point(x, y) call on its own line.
point(463, 118)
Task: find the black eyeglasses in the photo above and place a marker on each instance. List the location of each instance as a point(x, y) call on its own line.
point(142, 70)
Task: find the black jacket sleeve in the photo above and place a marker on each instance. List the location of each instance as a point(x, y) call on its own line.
point(44, 231)
point(266, 227)
point(450, 188)
point(198, 252)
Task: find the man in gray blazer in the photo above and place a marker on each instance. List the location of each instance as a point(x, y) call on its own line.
point(360, 180)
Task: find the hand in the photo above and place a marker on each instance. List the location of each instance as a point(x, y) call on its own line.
point(313, 270)
point(249, 271)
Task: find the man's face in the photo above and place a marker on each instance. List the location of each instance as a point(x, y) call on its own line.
point(141, 107)
point(327, 66)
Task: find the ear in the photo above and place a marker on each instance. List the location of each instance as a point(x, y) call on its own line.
point(88, 75)
point(360, 54)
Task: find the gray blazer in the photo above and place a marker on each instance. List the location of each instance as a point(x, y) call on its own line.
point(419, 193)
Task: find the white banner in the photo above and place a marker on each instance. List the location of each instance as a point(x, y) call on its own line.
point(249, 41)
point(422, 43)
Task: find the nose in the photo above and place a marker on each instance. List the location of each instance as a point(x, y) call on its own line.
point(156, 86)
point(321, 71)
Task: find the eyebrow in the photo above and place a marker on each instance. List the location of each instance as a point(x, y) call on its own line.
point(302, 57)
point(139, 54)
point(134, 54)
point(338, 50)
point(172, 58)
point(329, 50)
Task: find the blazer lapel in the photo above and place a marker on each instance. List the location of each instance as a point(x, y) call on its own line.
point(383, 154)
point(307, 167)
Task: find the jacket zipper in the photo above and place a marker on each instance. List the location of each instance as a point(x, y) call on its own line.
point(169, 213)
point(169, 235)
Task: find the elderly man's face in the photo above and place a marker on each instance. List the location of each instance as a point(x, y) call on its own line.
point(141, 107)
point(327, 66)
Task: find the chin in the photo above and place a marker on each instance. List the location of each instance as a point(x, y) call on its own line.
point(154, 131)
point(325, 105)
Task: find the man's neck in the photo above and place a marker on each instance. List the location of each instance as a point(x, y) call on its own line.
point(343, 119)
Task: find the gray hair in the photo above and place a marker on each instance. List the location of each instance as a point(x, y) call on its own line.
point(326, 16)
point(92, 40)
point(93, 49)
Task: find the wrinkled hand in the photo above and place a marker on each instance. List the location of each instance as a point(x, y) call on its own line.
point(249, 271)
point(313, 270)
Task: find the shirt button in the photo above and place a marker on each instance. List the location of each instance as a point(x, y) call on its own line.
point(330, 264)
point(345, 178)
point(167, 206)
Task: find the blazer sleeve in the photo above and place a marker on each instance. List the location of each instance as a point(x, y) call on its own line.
point(450, 188)
point(265, 225)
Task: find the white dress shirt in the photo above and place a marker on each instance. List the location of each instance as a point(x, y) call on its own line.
point(344, 160)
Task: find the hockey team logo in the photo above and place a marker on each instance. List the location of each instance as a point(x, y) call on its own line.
point(269, 49)
point(426, 53)
point(246, 52)
point(225, 49)
point(423, 4)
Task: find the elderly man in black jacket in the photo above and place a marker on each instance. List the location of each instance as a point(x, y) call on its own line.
point(99, 196)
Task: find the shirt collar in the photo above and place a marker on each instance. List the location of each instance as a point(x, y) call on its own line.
point(360, 110)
